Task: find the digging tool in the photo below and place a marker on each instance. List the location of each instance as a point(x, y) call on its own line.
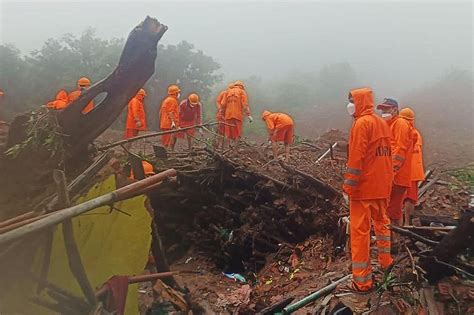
point(326, 153)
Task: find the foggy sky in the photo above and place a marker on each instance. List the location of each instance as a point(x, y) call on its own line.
point(394, 46)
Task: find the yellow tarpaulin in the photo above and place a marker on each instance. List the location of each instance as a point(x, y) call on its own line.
point(110, 243)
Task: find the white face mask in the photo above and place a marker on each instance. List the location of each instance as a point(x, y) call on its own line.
point(387, 116)
point(179, 95)
point(351, 108)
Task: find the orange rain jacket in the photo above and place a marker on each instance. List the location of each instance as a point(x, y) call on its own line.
point(169, 112)
point(60, 102)
point(136, 110)
point(235, 103)
point(219, 100)
point(276, 121)
point(369, 172)
point(417, 170)
point(402, 150)
point(74, 95)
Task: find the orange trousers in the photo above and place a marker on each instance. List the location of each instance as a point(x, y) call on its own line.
point(362, 213)
point(234, 129)
point(167, 138)
point(395, 206)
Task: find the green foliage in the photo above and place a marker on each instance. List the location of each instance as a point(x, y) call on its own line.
point(43, 133)
point(465, 175)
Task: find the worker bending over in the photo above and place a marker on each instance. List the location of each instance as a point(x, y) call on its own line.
point(190, 114)
point(280, 129)
point(169, 116)
point(367, 186)
point(417, 170)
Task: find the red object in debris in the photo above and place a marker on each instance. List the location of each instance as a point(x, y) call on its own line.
point(445, 288)
point(117, 294)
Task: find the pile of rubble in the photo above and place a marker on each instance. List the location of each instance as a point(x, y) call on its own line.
point(278, 227)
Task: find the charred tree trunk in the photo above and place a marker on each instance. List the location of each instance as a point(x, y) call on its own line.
point(453, 244)
point(28, 172)
point(136, 66)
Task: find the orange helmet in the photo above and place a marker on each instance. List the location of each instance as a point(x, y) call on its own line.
point(83, 82)
point(265, 114)
point(141, 92)
point(148, 168)
point(193, 99)
point(407, 113)
point(239, 84)
point(173, 89)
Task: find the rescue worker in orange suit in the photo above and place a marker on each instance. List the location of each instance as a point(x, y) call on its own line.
point(169, 116)
point(136, 117)
point(82, 85)
point(190, 114)
point(147, 170)
point(417, 170)
point(220, 117)
point(60, 102)
point(402, 148)
point(234, 105)
point(280, 129)
point(367, 186)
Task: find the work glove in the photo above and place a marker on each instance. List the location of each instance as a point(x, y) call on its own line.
point(269, 142)
point(138, 123)
point(200, 131)
point(346, 198)
point(173, 125)
point(250, 119)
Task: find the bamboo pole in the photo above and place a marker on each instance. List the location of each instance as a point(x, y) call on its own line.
point(159, 133)
point(61, 215)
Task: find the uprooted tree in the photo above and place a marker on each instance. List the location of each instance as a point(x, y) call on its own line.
point(38, 142)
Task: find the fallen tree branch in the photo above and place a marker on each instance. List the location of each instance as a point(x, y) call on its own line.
point(155, 134)
point(411, 234)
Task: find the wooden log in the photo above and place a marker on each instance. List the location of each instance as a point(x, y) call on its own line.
point(454, 243)
point(413, 235)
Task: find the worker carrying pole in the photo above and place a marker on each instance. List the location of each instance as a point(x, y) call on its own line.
point(367, 186)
